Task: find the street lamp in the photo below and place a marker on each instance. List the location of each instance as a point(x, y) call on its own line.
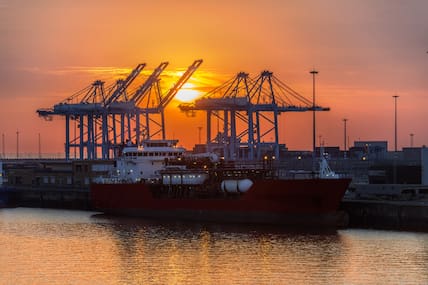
point(2, 145)
point(17, 144)
point(344, 137)
point(40, 147)
point(199, 129)
point(395, 145)
point(395, 117)
point(344, 133)
point(313, 72)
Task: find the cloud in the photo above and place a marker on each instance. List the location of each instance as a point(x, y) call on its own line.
point(93, 70)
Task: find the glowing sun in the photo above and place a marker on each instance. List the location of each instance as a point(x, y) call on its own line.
point(187, 93)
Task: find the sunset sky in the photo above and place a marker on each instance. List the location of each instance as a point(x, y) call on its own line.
point(366, 51)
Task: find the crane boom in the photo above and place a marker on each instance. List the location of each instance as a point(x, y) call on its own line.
point(123, 84)
point(95, 94)
point(183, 79)
point(139, 94)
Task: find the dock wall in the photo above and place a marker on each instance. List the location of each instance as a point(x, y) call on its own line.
point(50, 198)
point(399, 215)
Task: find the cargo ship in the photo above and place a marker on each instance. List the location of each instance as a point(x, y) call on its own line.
point(159, 180)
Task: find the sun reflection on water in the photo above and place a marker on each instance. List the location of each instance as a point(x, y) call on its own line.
point(57, 247)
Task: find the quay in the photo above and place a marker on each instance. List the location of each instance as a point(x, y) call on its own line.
point(385, 214)
point(49, 183)
point(77, 199)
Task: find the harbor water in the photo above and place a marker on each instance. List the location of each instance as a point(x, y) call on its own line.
point(45, 246)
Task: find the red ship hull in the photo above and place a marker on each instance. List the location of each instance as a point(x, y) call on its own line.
point(298, 202)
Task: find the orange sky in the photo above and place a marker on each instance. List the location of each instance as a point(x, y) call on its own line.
point(365, 52)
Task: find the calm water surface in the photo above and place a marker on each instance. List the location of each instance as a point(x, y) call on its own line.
point(41, 246)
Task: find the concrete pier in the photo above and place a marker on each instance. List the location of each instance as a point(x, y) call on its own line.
point(383, 214)
point(50, 198)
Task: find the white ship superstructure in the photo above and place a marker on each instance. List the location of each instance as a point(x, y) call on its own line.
point(142, 163)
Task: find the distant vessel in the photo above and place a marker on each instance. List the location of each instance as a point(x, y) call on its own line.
point(158, 179)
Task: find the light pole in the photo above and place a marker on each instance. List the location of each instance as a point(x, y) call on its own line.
point(344, 136)
point(17, 144)
point(395, 118)
point(3, 146)
point(411, 139)
point(199, 129)
point(40, 147)
point(313, 72)
point(395, 138)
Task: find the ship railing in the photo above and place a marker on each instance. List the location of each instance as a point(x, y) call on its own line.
point(307, 174)
point(247, 165)
point(111, 180)
point(172, 170)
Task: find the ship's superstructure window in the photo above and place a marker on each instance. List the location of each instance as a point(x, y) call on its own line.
point(152, 153)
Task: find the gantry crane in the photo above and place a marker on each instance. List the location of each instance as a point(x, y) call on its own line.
point(146, 102)
point(124, 111)
point(95, 113)
point(122, 85)
point(253, 105)
point(150, 109)
point(82, 107)
point(87, 108)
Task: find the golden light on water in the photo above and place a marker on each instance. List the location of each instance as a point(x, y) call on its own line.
point(77, 247)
